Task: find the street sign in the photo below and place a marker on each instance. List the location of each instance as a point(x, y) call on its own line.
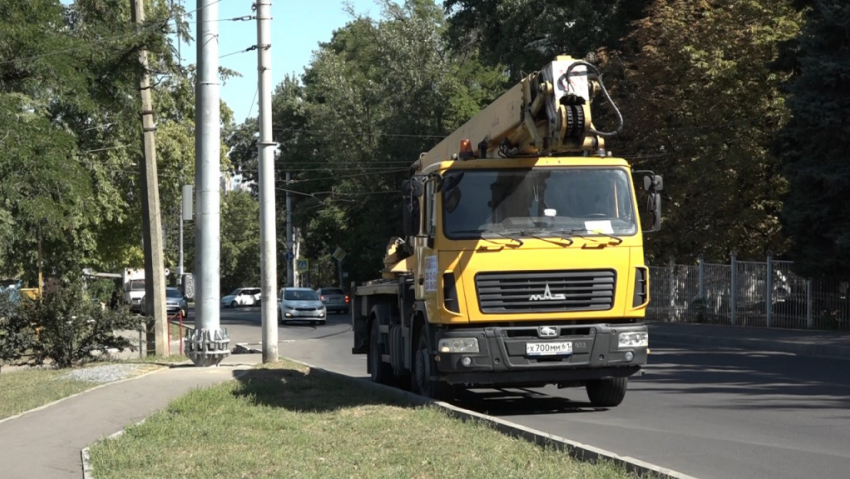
point(338, 254)
point(302, 265)
point(290, 256)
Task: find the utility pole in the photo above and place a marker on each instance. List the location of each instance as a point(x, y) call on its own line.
point(151, 221)
point(290, 254)
point(265, 147)
point(208, 344)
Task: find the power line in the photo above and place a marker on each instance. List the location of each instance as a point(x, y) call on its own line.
point(251, 48)
point(320, 132)
point(252, 102)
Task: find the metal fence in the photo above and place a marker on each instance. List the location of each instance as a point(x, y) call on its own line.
point(747, 293)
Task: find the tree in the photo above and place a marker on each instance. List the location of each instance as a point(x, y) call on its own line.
point(240, 240)
point(68, 108)
point(375, 96)
point(524, 35)
point(814, 144)
point(702, 106)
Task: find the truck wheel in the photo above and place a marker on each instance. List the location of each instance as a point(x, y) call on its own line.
point(423, 366)
point(607, 392)
point(381, 372)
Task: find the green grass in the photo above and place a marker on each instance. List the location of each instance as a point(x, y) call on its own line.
point(28, 389)
point(285, 420)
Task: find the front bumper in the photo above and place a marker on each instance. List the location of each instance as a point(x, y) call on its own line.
point(316, 314)
point(502, 358)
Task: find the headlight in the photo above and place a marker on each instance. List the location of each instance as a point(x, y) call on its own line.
point(633, 340)
point(458, 345)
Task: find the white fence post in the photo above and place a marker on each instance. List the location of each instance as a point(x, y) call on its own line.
point(810, 321)
point(672, 288)
point(733, 300)
point(701, 261)
point(768, 298)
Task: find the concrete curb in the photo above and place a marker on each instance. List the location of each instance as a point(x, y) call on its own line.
point(88, 470)
point(578, 451)
point(813, 350)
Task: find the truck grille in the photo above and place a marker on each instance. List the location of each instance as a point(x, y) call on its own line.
point(546, 291)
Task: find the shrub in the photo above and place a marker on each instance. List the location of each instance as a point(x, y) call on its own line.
point(70, 325)
point(17, 336)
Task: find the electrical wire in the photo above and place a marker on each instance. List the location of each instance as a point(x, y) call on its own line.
point(320, 132)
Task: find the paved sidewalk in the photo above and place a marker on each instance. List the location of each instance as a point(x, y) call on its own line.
point(46, 444)
point(834, 344)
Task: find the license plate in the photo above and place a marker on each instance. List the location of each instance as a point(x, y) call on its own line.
point(548, 349)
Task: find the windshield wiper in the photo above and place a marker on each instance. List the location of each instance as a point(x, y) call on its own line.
point(479, 237)
point(508, 236)
point(556, 234)
point(575, 232)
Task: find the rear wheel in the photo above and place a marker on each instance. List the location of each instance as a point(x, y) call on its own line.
point(380, 371)
point(607, 392)
point(423, 368)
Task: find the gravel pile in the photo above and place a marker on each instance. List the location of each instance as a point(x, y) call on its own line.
point(103, 374)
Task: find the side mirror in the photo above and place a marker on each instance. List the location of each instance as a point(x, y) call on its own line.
point(653, 183)
point(416, 186)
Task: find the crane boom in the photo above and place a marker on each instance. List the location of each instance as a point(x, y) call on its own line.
point(546, 113)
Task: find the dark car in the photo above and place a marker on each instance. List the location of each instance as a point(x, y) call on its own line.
point(334, 299)
point(175, 303)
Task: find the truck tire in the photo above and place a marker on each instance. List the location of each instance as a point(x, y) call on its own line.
point(381, 372)
point(423, 366)
point(607, 392)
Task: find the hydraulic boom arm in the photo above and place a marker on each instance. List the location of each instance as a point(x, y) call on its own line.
point(546, 113)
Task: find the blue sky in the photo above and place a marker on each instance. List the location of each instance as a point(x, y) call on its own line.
point(297, 28)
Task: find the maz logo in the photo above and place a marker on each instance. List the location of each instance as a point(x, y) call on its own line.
point(547, 296)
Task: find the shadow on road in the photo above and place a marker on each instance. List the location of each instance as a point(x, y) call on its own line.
point(771, 380)
point(518, 402)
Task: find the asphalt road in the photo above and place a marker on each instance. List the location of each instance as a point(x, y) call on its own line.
point(704, 412)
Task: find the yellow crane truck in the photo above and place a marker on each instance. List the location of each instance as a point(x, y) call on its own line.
point(521, 262)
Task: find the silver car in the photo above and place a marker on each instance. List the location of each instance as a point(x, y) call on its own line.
point(301, 304)
point(334, 299)
point(176, 303)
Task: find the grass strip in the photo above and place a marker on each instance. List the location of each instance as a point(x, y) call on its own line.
point(28, 389)
point(284, 420)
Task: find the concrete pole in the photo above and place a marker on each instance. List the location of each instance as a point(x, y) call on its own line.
point(290, 270)
point(208, 343)
point(266, 146)
point(151, 221)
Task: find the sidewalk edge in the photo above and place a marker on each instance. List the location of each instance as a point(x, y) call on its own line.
point(45, 406)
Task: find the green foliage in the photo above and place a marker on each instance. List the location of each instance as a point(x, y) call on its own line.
point(71, 132)
point(16, 334)
point(814, 145)
point(70, 325)
point(702, 107)
point(524, 35)
point(378, 94)
point(240, 241)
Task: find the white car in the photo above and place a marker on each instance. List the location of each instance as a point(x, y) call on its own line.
point(241, 297)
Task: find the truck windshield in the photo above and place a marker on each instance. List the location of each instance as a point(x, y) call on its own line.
point(137, 285)
point(528, 202)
